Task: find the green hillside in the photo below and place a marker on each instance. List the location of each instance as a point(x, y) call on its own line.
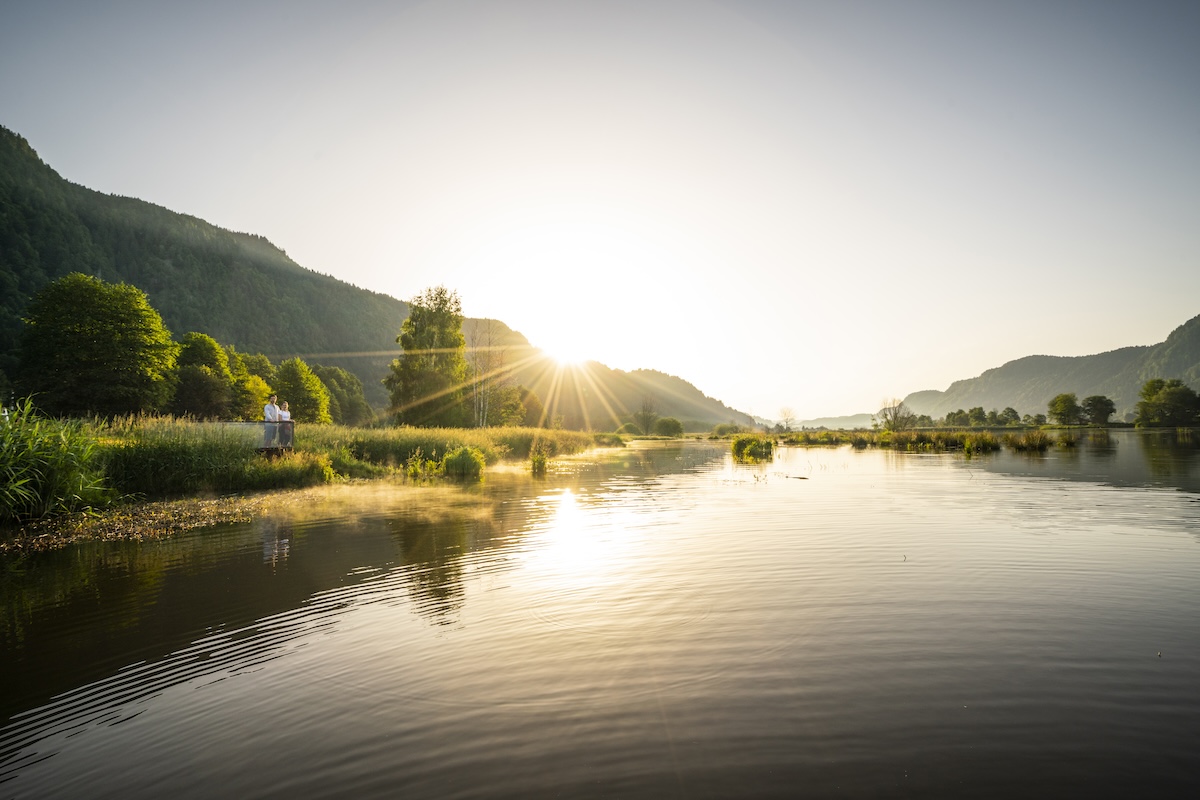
point(1029, 383)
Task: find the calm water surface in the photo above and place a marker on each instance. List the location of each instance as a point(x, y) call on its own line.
point(648, 622)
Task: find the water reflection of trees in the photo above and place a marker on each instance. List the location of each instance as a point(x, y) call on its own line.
point(433, 555)
point(1159, 458)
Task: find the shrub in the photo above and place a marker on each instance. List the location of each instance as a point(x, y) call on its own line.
point(464, 463)
point(537, 461)
point(669, 426)
point(630, 429)
point(749, 447)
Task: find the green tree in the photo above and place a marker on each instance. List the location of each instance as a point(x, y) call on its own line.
point(204, 386)
point(535, 411)
point(347, 405)
point(91, 347)
point(668, 426)
point(250, 388)
point(977, 417)
point(1009, 416)
point(959, 418)
point(1167, 402)
point(426, 382)
point(1097, 409)
point(1064, 409)
point(307, 397)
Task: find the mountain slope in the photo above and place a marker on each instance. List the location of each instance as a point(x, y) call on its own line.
point(1028, 384)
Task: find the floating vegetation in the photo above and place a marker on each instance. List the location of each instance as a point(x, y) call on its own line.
point(749, 447)
point(1036, 440)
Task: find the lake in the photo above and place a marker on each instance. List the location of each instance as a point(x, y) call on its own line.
point(654, 621)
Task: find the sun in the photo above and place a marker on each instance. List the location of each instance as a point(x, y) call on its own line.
point(565, 353)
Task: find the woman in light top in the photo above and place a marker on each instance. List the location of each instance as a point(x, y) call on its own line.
point(285, 430)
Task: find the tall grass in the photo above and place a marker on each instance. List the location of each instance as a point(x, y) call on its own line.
point(165, 457)
point(1036, 440)
point(47, 467)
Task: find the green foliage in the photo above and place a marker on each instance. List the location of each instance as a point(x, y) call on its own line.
point(750, 447)
point(347, 404)
point(630, 429)
point(668, 426)
point(608, 440)
point(463, 463)
point(307, 397)
point(535, 411)
point(162, 457)
point(426, 382)
point(538, 461)
point(1030, 441)
point(202, 393)
point(47, 467)
point(1064, 409)
point(204, 383)
point(250, 393)
point(201, 350)
point(980, 442)
point(1097, 409)
point(1167, 402)
point(958, 419)
point(727, 429)
point(91, 347)
point(896, 416)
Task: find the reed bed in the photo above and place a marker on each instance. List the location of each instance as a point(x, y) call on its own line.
point(48, 467)
point(1037, 441)
point(167, 457)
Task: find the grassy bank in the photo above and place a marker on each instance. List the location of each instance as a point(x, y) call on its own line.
point(50, 468)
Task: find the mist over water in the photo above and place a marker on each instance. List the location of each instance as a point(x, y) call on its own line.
point(653, 621)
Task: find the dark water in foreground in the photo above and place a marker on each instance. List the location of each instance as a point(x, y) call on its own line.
point(653, 622)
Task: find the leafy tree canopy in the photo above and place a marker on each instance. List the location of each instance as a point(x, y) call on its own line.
point(668, 426)
point(1097, 409)
point(1064, 409)
point(201, 350)
point(347, 405)
point(426, 382)
point(306, 396)
point(1168, 402)
point(91, 347)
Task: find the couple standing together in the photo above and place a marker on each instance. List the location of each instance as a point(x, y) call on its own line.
point(277, 414)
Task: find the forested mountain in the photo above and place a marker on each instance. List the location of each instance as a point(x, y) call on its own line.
point(244, 291)
point(236, 287)
point(599, 397)
point(1029, 383)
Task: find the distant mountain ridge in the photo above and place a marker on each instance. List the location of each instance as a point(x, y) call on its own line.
point(243, 290)
point(1028, 384)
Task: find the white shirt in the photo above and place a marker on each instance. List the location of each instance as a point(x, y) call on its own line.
point(284, 415)
point(270, 413)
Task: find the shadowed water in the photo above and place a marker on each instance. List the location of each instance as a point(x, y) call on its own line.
point(656, 621)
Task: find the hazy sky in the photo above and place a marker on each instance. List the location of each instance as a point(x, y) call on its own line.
point(805, 204)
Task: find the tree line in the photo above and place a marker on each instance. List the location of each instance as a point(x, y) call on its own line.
point(89, 347)
point(1164, 402)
